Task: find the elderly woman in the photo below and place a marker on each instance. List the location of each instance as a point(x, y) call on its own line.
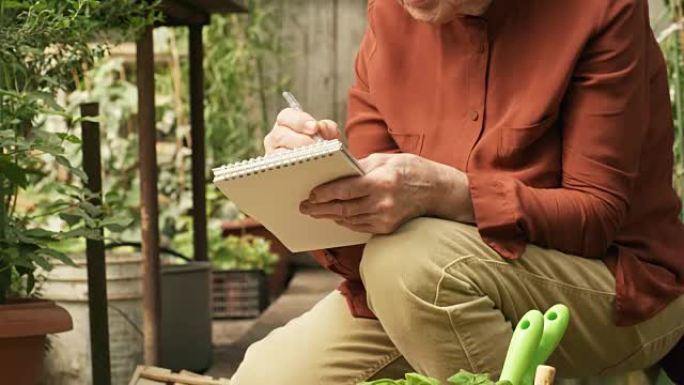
point(518, 154)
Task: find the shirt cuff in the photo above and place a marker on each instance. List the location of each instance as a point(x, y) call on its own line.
point(497, 214)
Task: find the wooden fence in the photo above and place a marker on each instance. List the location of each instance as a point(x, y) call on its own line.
point(323, 37)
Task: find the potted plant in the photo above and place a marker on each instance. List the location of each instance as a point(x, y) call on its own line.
point(240, 267)
point(44, 49)
point(280, 274)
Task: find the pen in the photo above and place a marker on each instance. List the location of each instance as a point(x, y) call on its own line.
point(294, 104)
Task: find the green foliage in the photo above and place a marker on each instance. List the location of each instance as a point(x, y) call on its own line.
point(45, 47)
point(232, 253)
point(672, 47)
point(461, 378)
point(243, 253)
point(237, 111)
point(238, 85)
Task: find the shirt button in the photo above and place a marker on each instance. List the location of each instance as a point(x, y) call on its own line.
point(482, 48)
point(474, 115)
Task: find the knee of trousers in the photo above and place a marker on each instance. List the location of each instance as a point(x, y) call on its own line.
point(405, 268)
point(265, 363)
point(251, 369)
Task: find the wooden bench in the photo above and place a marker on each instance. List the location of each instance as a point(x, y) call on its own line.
point(150, 375)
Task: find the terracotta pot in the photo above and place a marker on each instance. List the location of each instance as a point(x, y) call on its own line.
point(23, 327)
point(277, 281)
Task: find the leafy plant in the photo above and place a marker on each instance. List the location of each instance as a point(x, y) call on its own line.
point(238, 108)
point(45, 47)
point(246, 252)
point(238, 86)
point(243, 253)
point(461, 378)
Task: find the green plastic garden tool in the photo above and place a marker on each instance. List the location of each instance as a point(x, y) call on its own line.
point(524, 344)
point(556, 321)
point(535, 337)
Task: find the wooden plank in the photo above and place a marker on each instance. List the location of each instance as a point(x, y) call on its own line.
point(307, 31)
point(322, 38)
point(188, 373)
point(153, 376)
point(137, 378)
point(136, 375)
point(320, 65)
point(350, 27)
point(183, 379)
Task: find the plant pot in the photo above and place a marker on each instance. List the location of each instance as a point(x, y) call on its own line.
point(69, 361)
point(278, 280)
point(23, 327)
point(186, 317)
point(238, 294)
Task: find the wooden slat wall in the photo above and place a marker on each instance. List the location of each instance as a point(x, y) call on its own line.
point(323, 36)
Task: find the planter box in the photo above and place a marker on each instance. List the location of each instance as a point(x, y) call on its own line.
point(278, 280)
point(239, 293)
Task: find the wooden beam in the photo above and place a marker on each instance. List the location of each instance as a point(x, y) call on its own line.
point(218, 6)
point(178, 13)
point(199, 201)
point(196, 12)
point(149, 207)
point(95, 254)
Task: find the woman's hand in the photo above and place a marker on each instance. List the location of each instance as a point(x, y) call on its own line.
point(395, 189)
point(295, 129)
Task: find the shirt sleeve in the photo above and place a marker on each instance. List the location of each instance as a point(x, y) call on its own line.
point(366, 133)
point(603, 121)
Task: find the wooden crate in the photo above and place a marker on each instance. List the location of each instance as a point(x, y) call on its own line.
point(150, 375)
point(238, 294)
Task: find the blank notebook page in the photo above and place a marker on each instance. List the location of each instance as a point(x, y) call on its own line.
point(270, 189)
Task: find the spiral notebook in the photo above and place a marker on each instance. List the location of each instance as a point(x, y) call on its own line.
point(270, 189)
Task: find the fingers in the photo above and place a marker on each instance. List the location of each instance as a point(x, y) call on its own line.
point(367, 223)
point(362, 228)
point(284, 138)
point(338, 209)
point(342, 189)
point(297, 121)
point(291, 128)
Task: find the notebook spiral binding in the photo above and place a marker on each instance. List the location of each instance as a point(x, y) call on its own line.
point(284, 159)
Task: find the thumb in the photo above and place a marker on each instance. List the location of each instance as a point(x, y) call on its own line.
point(373, 161)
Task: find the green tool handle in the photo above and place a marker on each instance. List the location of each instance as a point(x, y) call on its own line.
point(523, 345)
point(556, 321)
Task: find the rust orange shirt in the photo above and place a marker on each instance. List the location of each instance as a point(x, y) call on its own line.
point(559, 113)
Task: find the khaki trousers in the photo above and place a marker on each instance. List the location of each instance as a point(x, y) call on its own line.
point(445, 301)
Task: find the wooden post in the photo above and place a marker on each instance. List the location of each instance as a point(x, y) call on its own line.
point(199, 201)
point(95, 254)
point(149, 208)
